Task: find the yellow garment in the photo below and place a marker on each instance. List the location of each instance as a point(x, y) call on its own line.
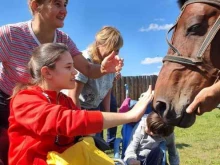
point(83, 152)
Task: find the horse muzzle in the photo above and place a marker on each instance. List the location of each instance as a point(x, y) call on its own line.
point(174, 116)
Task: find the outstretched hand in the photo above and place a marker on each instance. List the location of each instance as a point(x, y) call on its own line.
point(140, 107)
point(206, 100)
point(112, 63)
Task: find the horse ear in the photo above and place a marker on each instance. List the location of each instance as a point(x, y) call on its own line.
point(181, 2)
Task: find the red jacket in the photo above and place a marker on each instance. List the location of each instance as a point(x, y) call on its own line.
point(35, 124)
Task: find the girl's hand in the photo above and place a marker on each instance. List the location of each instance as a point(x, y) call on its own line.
point(140, 107)
point(112, 63)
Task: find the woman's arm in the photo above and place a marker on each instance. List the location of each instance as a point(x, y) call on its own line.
point(32, 110)
point(74, 93)
point(42, 117)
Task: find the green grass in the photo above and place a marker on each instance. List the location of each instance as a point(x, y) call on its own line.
point(199, 144)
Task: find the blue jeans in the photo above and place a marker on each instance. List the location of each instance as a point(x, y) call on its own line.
point(111, 132)
point(155, 157)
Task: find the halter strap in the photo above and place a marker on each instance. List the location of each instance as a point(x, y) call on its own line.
point(193, 61)
point(211, 34)
point(173, 27)
point(215, 28)
point(169, 43)
point(182, 60)
point(198, 61)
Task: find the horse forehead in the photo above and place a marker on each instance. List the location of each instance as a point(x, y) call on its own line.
point(201, 9)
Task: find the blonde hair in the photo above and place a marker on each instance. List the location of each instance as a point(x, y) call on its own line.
point(109, 37)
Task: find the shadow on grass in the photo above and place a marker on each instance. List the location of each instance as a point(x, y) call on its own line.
point(182, 145)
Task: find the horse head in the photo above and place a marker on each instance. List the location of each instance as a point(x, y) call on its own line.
point(192, 62)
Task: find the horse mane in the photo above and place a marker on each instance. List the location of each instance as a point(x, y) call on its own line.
point(181, 2)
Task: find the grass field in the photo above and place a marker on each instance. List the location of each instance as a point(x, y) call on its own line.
point(199, 144)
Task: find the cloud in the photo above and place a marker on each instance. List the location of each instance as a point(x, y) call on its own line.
point(155, 27)
point(151, 60)
point(159, 67)
point(159, 19)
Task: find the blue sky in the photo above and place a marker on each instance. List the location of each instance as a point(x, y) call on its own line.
point(143, 24)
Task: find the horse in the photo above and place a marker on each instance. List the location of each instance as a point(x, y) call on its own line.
point(192, 61)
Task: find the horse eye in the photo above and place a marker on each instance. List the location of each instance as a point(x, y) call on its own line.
point(194, 29)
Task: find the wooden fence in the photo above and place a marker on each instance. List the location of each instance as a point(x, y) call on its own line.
point(136, 85)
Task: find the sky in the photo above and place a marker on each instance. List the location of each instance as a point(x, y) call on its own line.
point(142, 23)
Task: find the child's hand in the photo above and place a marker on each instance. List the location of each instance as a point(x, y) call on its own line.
point(112, 63)
point(134, 162)
point(140, 107)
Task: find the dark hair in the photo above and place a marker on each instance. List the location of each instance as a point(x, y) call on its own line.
point(44, 55)
point(181, 3)
point(157, 126)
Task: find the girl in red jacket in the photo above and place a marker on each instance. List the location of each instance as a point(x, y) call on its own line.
point(43, 119)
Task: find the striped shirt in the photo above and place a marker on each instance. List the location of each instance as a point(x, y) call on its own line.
point(17, 42)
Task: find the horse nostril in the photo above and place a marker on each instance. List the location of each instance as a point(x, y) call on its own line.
point(160, 107)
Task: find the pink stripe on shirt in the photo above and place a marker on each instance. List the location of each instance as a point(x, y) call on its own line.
point(17, 44)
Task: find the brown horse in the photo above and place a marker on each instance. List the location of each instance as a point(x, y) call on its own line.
point(192, 63)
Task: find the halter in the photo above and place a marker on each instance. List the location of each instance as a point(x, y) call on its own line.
point(198, 61)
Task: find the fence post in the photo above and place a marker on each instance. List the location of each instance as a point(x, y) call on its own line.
point(132, 87)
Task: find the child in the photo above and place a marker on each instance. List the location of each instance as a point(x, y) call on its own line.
point(89, 93)
point(42, 119)
point(143, 148)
